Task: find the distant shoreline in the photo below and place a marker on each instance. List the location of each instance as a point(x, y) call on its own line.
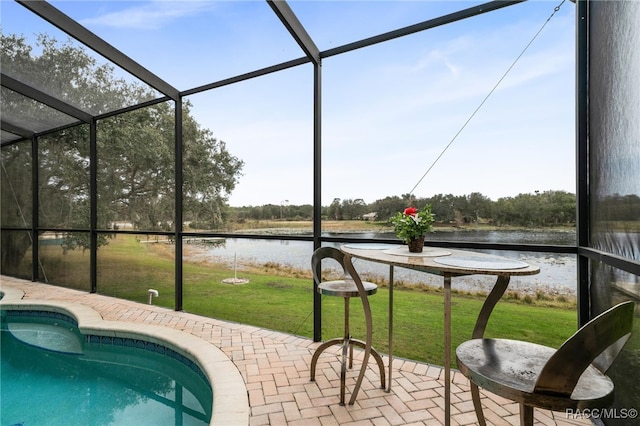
point(359, 226)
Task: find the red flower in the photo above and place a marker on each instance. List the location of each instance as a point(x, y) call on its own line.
point(410, 211)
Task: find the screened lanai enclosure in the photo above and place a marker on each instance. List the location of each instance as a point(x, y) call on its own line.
point(171, 145)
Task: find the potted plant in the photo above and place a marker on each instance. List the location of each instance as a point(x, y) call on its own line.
point(412, 225)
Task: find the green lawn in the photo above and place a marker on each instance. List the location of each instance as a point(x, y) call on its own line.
point(127, 269)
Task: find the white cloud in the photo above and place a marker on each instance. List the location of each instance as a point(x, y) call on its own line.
point(149, 15)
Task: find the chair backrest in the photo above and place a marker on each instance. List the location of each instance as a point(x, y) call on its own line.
point(609, 330)
point(325, 253)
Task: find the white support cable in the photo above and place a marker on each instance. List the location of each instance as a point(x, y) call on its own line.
point(24, 221)
point(556, 9)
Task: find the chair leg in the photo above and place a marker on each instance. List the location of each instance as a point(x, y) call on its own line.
point(526, 415)
point(343, 369)
point(347, 332)
point(369, 327)
point(350, 356)
point(321, 348)
point(346, 342)
point(346, 346)
point(475, 396)
point(375, 356)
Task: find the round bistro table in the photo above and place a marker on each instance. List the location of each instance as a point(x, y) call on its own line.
point(447, 263)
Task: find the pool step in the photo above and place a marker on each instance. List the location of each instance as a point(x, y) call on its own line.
point(47, 336)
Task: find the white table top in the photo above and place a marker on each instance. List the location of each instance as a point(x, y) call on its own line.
point(440, 260)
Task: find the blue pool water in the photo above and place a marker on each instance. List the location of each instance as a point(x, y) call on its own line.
point(50, 374)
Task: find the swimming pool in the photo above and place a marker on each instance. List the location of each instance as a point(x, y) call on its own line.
point(51, 374)
point(120, 350)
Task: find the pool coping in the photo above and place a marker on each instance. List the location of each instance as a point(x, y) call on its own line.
point(230, 396)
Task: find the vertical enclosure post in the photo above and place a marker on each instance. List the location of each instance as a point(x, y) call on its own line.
point(178, 203)
point(317, 191)
point(582, 159)
point(35, 209)
point(93, 205)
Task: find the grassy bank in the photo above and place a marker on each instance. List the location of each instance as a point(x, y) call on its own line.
point(280, 299)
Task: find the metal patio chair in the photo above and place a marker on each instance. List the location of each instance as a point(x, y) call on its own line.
point(573, 377)
point(351, 286)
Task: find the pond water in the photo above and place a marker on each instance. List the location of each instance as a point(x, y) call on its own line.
point(557, 271)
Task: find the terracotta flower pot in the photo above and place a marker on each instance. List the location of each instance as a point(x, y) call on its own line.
point(416, 244)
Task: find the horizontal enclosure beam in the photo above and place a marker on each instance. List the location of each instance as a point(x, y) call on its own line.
point(619, 262)
point(44, 98)
point(247, 76)
point(16, 130)
point(431, 23)
point(296, 29)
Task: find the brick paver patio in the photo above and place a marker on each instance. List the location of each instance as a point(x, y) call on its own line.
point(275, 369)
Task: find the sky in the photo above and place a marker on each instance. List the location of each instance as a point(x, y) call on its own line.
point(450, 110)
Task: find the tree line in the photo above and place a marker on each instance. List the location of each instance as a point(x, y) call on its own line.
point(548, 208)
point(540, 209)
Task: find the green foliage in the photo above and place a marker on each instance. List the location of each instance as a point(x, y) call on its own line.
point(412, 223)
point(546, 209)
point(81, 240)
point(618, 208)
point(388, 207)
point(16, 185)
point(549, 208)
point(135, 153)
point(348, 209)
